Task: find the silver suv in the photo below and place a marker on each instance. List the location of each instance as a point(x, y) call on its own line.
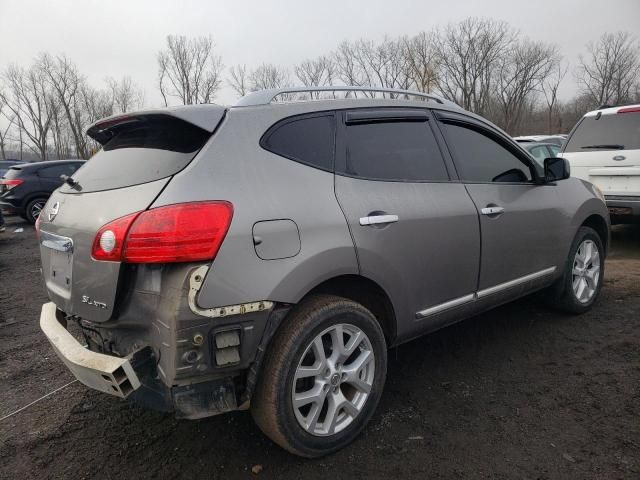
point(266, 255)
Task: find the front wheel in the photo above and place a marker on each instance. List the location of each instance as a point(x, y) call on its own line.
point(581, 283)
point(323, 377)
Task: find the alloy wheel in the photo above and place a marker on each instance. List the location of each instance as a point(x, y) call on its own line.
point(586, 271)
point(333, 380)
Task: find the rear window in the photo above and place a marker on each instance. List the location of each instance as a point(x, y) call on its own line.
point(139, 153)
point(609, 132)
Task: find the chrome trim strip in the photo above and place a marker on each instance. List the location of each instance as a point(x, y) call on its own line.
point(515, 282)
point(445, 306)
point(56, 242)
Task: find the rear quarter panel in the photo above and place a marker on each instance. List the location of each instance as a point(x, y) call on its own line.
point(264, 186)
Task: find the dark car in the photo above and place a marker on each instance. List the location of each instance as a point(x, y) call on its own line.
point(6, 164)
point(540, 151)
point(26, 187)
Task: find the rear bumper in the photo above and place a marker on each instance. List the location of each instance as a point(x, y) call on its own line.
point(108, 374)
point(623, 208)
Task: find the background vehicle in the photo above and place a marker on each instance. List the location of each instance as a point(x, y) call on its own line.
point(25, 188)
point(554, 139)
point(604, 148)
point(265, 256)
point(540, 151)
point(5, 164)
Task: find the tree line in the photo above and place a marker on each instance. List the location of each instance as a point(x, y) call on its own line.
point(484, 65)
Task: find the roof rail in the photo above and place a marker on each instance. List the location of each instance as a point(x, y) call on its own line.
point(265, 97)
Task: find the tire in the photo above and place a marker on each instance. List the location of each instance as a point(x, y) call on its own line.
point(295, 347)
point(33, 209)
point(563, 295)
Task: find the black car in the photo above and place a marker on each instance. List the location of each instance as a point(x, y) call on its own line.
point(6, 164)
point(25, 188)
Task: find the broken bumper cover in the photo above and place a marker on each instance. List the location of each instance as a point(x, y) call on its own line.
point(108, 374)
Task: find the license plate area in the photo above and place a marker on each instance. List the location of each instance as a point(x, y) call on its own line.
point(60, 253)
point(61, 268)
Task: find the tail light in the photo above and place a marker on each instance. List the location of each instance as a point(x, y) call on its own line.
point(185, 232)
point(9, 184)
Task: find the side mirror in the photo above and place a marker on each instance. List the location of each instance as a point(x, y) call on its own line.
point(556, 168)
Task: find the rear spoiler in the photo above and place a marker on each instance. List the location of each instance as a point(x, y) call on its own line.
point(206, 117)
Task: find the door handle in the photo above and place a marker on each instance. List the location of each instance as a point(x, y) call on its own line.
point(378, 220)
point(492, 210)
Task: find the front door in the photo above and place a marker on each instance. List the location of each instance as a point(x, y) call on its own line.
point(520, 220)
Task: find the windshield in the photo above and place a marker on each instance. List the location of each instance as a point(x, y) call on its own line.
point(619, 131)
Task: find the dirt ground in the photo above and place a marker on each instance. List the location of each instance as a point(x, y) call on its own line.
point(519, 392)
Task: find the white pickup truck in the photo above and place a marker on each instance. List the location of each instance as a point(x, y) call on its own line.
point(604, 149)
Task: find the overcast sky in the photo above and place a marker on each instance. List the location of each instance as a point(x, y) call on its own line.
point(116, 38)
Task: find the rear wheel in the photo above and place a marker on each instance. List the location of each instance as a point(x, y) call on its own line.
point(34, 207)
point(580, 285)
point(322, 378)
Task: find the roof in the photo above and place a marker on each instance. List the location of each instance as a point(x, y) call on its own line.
point(35, 165)
point(614, 110)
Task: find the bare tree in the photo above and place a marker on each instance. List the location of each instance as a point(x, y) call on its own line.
point(315, 73)
point(420, 53)
point(65, 81)
point(238, 80)
point(5, 131)
point(549, 87)
point(609, 73)
point(520, 72)
point(125, 94)
point(189, 70)
point(467, 55)
point(31, 101)
point(268, 76)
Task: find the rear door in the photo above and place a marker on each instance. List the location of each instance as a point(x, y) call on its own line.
point(415, 230)
point(138, 158)
point(520, 221)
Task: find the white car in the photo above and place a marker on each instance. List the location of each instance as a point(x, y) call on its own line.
point(604, 149)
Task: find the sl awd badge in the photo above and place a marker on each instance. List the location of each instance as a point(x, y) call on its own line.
point(93, 303)
point(53, 211)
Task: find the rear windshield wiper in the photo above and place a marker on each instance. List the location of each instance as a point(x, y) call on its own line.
point(612, 146)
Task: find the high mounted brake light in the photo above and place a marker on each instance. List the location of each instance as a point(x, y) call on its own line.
point(628, 110)
point(184, 232)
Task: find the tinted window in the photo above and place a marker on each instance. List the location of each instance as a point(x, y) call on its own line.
point(140, 152)
point(57, 170)
point(479, 158)
point(308, 140)
point(610, 131)
point(394, 151)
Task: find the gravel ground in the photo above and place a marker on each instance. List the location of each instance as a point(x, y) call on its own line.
point(519, 392)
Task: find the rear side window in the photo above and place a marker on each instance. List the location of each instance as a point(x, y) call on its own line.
point(309, 140)
point(152, 148)
point(610, 132)
point(395, 151)
point(480, 158)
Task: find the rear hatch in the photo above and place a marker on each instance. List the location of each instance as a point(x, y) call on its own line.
point(140, 153)
point(605, 150)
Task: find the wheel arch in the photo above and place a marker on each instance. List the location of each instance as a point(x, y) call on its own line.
point(366, 292)
point(600, 225)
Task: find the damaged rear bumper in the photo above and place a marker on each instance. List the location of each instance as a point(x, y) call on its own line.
point(106, 373)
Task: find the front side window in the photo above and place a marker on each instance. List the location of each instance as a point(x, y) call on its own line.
point(309, 140)
point(395, 151)
point(480, 158)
